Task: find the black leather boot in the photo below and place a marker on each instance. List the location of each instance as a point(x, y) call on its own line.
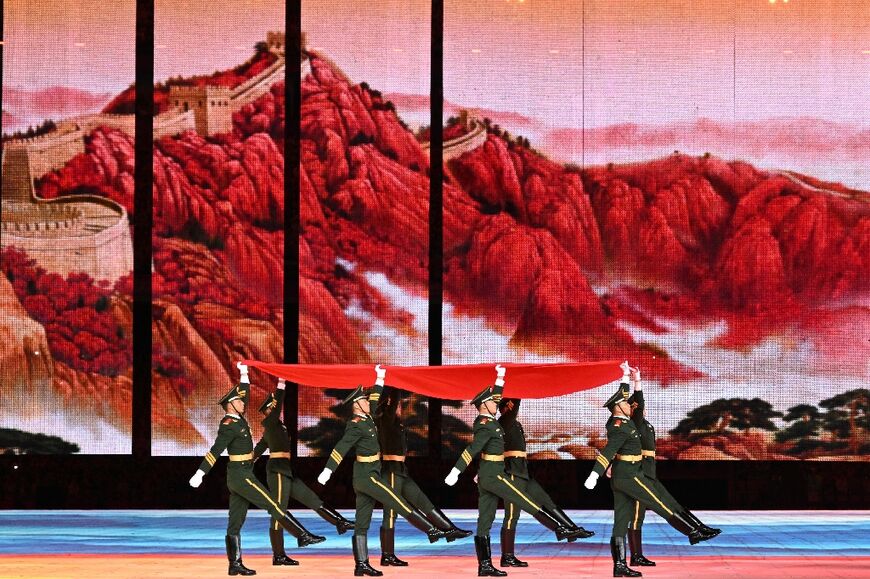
point(440, 521)
point(635, 543)
point(234, 554)
point(388, 549)
point(508, 558)
point(417, 519)
point(565, 521)
point(279, 557)
point(295, 528)
point(694, 533)
point(690, 516)
point(617, 550)
point(545, 517)
point(484, 559)
point(361, 557)
point(334, 518)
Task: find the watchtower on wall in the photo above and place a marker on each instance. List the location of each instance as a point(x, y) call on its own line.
point(211, 106)
point(276, 42)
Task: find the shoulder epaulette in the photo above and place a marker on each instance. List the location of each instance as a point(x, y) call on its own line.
point(228, 420)
point(356, 419)
point(485, 420)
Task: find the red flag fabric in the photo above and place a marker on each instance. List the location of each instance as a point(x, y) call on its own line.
point(456, 382)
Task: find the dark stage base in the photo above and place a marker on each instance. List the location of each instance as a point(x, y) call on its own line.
point(187, 544)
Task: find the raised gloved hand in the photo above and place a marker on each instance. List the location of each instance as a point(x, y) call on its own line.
point(635, 374)
point(591, 480)
point(243, 371)
point(451, 478)
point(196, 479)
point(500, 371)
point(282, 383)
point(324, 476)
point(626, 370)
point(381, 374)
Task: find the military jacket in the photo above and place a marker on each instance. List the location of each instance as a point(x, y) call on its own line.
point(623, 440)
point(488, 439)
point(361, 434)
point(647, 434)
point(514, 440)
point(234, 436)
point(392, 437)
point(275, 438)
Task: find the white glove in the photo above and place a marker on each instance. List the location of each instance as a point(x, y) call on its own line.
point(452, 477)
point(282, 383)
point(499, 373)
point(381, 373)
point(243, 370)
point(196, 479)
point(626, 371)
point(324, 476)
point(591, 480)
point(635, 374)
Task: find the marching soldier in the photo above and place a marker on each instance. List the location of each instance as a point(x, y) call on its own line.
point(493, 482)
point(517, 468)
point(394, 445)
point(369, 485)
point(234, 435)
point(630, 485)
point(282, 483)
point(648, 465)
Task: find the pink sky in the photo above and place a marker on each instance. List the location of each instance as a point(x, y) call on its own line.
point(646, 62)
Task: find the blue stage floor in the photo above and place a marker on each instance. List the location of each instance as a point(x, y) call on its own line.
point(745, 534)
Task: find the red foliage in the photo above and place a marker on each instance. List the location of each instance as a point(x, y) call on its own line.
point(81, 330)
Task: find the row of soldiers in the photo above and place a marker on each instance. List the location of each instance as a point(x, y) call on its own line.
point(376, 433)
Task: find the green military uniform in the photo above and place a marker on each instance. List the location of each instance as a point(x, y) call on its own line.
point(492, 480)
point(648, 462)
point(234, 436)
point(517, 468)
point(361, 435)
point(282, 483)
point(393, 441)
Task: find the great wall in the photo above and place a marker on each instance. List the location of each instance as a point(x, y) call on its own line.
point(92, 234)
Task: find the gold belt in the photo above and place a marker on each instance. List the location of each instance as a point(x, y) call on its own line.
point(396, 457)
point(279, 455)
point(372, 458)
point(515, 454)
point(241, 457)
point(629, 457)
point(651, 453)
point(492, 457)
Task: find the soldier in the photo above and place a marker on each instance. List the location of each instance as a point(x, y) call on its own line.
point(648, 465)
point(394, 445)
point(629, 483)
point(282, 483)
point(517, 468)
point(369, 486)
point(493, 482)
point(234, 435)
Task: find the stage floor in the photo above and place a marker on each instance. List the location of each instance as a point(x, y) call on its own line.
point(188, 544)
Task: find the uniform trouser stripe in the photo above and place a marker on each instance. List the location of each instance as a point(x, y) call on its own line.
point(391, 514)
point(391, 493)
point(280, 477)
point(516, 490)
point(646, 488)
point(636, 514)
point(265, 495)
point(510, 510)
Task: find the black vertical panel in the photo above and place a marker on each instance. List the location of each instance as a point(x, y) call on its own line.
point(436, 218)
point(142, 225)
point(292, 102)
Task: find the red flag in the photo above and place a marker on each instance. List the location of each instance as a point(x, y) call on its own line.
point(456, 382)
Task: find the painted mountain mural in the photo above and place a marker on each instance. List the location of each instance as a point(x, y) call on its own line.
point(742, 293)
